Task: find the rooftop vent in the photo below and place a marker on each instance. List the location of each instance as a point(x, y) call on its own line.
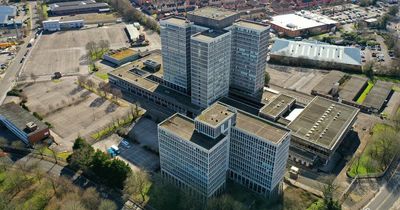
point(31, 126)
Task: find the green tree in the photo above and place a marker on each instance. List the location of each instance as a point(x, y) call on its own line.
point(328, 200)
point(368, 70)
point(224, 202)
point(267, 78)
point(80, 143)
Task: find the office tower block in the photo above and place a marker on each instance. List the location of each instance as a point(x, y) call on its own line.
point(210, 66)
point(249, 59)
point(175, 48)
point(258, 154)
point(194, 153)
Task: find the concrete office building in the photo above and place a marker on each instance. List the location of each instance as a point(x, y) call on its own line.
point(258, 154)
point(249, 58)
point(194, 153)
point(210, 66)
point(175, 45)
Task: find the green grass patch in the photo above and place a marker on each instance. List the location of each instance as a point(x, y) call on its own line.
point(365, 93)
point(56, 80)
point(362, 165)
point(112, 128)
point(103, 76)
point(317, 205)
point(45, 8)
point(396, 88)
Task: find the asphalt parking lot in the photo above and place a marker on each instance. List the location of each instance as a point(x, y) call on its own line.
point(145, 132)
point(140, 157)
point(64, 51)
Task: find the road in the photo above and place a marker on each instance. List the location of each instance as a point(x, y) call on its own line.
point(14, 69)
point(388, 194)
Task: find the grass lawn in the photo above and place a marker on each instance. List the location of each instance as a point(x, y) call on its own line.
point(61, 155)
point(365, 93)
point(103, 76)
point(360, 165)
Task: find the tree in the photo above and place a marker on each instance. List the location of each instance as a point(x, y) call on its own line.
point(91, 47)
point(328, 200)
point(90, 198)
point(116, 94)
point(393, 10)
point(104, 45)
point(80, 143)
point(105, 88)
point(386, 145)
point(224, 202)
point(90, 84)
point(81, 158)
point(136, 186)
point(82, 79)
point(266, 79)
point(34, 77)
point(368, 70)
point(107, 205)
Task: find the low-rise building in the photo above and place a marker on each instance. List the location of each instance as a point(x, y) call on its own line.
point(316, 54)
point(57, 24)
point(77, 7)
point(24, 125)
point(302, 23)
point(7, 17)
point(276, 107)
point(121, 56)
point(319, 130)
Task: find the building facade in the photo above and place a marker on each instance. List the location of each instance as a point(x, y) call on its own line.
point(249, 58)
point(191, 160)
point(256, 155)
point(210, 66)
point(175, 45)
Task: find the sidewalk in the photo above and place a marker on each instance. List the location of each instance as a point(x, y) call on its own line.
point(304, 187)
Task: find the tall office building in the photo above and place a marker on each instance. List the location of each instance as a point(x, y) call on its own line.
point(258, 154)
point(197, 154)
point(249, 58)
point(194, 154)
point(210, 66)
point(175, 48)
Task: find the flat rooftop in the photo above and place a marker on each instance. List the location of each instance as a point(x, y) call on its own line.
point(121, 54)
point(178, 21)
point(76, 5)
point(323, 122)
point(276, 106)
point(136, 74)
point(378, 94)
point(252, 25)
point(214, 13)
point(208, 36)
point(6, 13)
point(20, 117)
point(326, 84)
point(257, 126)
point(215, 114)
point(301, 20)
point(351, 88)
point(184, 128)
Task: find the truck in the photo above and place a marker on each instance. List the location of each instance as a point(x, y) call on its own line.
point(115, 149)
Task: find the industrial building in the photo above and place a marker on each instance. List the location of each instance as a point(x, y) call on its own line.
point(7, 17)
point(302, 23)
point(132, 32)
point(276, 107)
point(24, 125)
point(77, 7)
point(316, 54)
point(378, 96)
point(121, 56)
point(319, 130)
point(249, 57)
point(194, 154)
point(57, 24)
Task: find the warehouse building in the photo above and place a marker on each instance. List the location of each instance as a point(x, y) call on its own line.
point(132, 32)
point(24, 125)
point(319, 130)
point(378, 96)
point(302, 23)
point(316, 54)
point(7, 15)
point(77, 7)
point(57, 24)
point(121, 56)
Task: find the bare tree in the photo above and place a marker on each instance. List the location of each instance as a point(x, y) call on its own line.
point(34, 77)
point(104, 45)
point(107, 205)
point(105, 88)
point(90, 84)
point(116, 94)
point(136, 185)
point(91, 198)
point(82, 79)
